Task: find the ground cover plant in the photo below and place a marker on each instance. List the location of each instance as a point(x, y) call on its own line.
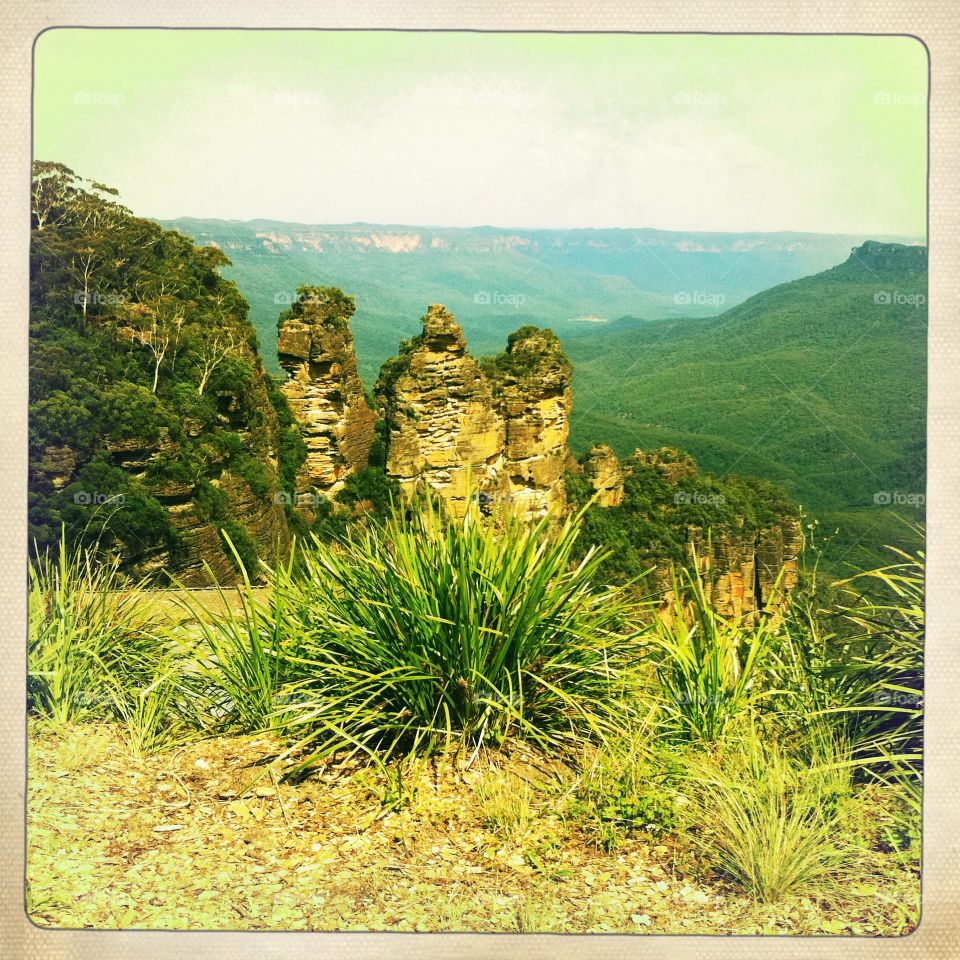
point(437, 723)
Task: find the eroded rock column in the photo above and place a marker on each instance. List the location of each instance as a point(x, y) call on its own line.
point(325, 394)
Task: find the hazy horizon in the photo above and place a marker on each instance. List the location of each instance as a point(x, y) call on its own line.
point(681, 133)
point(531, 229)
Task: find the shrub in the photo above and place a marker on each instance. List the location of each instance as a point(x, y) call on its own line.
point(507, 805)
point(422, 632)
point(87, 636)
point(858, 667)
point(626, 785)
point(709, 668)
point(241, 655)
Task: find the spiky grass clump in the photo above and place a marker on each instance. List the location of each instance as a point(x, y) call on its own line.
point(87, 637)
point(427, 632)
point(860, 669)
point(770, 823)
point(244, 652)
point(709, 668)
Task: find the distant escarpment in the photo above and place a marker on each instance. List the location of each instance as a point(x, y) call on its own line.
point(324, 391)
point(154, 431)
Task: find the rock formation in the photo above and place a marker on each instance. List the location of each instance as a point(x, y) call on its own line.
point(739, 563)
point(605, 474)
point(324, 391)
point(531, 384)
point(496, 430)
point(443, 429)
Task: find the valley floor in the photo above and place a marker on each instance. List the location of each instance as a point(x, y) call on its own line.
point(175, 840)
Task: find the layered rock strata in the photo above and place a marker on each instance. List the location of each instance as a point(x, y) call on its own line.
point(604, 472)
point(444, 432)
point(324, 391)
point(532, 390)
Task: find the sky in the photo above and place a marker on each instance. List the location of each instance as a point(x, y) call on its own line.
point(725, 133)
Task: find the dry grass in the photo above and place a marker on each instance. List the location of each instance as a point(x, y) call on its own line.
point(116, 841)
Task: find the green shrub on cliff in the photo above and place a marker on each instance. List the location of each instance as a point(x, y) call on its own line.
point(653, 524)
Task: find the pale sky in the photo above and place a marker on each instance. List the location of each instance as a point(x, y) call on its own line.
point(524, 130)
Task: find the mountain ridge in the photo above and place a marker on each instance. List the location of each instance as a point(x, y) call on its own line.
point(495, 279)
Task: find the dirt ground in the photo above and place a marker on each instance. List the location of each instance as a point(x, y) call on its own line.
point(177, 840)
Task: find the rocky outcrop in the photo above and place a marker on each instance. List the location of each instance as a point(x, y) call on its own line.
point(324, 390)
point(444, 432)
point(740, 568)
point(745, 567)
point(497, 430)
point(55, 466)
point(672, 464)
point(532, 391)
point(602, 469)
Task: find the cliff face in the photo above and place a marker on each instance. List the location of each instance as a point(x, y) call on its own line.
point(443, 429)
point(531, 383)
point(255, 514)
point(603, 471)
point(324, 391)
point(498, 430)
point(740, 567)
point(740, 541)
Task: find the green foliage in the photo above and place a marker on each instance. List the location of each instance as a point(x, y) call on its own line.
point(626, 783)
point(87, 637)
point(771, 824)
point(859, 667)
point(652, 525)
point(243, 655)
point(760, 390)
point(152, 716)
point(140, 355)
point(292, 451)
point(395, 367)
point(520, 363)
point(244, 555)
point(331, 303)
point(709, 668)
point(371, 486)
point(423, 632)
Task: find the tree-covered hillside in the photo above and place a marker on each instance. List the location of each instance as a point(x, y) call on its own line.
point(818, 384)
point(152, 425)
point(496, 279)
